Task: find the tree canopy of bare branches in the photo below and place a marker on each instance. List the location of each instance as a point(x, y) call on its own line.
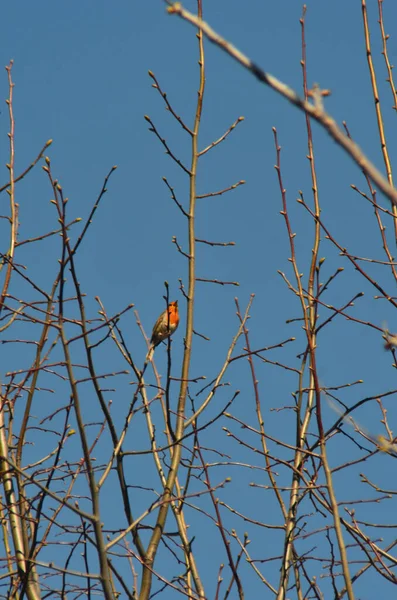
point(250, 453)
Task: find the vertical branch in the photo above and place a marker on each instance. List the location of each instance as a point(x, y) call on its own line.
point(11, 501)
point(301, 431)
point(260, 418)
point(106, 582)
point(31, 569)
point(167, 407)
point(36, 372)
point(378, 110)
point(215, 502)
point(389, 67)
point(6, 536)
point(11, 189)
point(303, 416)
point(312, 338)
point(261, 423)
point(179, 429)
point(177, 506)
point(310, 156)
point(298, 461)
point(314, 383)
point(18, 531)
point(192, 237)
point(382, 228)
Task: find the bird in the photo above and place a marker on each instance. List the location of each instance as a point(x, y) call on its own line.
point(165, 326)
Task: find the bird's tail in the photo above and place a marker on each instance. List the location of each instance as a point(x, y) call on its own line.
point(150, 353)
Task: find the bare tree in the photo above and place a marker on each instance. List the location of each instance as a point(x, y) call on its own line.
point(141, 503)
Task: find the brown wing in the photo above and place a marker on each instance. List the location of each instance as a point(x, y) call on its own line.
point(160, 327)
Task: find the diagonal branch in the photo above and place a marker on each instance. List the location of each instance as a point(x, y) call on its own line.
point(316, 110)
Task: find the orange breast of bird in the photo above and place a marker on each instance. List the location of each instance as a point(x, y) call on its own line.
point(173, 315)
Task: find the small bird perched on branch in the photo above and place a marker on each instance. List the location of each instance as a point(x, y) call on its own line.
point(165, 326)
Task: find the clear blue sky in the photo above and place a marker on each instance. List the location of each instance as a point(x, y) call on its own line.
point(81, 78)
